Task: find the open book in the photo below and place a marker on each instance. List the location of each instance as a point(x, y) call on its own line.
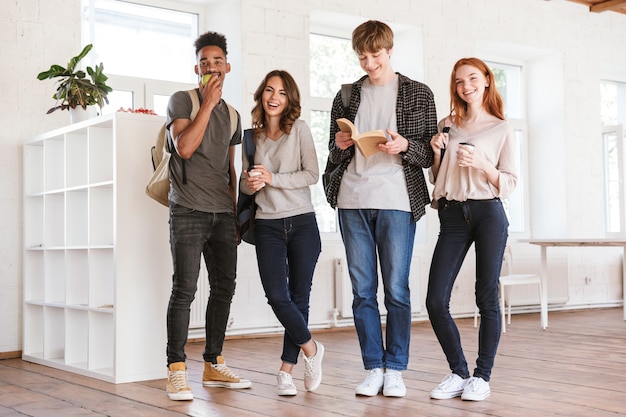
point(367, 142)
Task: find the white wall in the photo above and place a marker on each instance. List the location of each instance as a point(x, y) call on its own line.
point(564, 122)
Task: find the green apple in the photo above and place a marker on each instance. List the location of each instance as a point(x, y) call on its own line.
point(205, 79)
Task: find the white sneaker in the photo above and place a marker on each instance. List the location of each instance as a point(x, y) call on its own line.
point(394, 385)
point(372, 384)
point(451, 386)
point(477, 390)
point(285, 384)
point(313, 368)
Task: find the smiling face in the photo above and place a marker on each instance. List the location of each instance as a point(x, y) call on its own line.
point(377, 65)
point(274, 97)
point(470, 84)
point(212, 60)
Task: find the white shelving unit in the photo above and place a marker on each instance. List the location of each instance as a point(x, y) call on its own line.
point(97, 263)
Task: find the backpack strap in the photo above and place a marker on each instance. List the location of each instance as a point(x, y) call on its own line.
point(346, 92)
point(195, 103)
point(249, 147)
point(233, 119)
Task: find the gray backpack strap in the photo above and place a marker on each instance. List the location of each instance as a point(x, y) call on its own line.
point(346, 92)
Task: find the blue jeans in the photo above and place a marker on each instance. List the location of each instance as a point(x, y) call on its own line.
point(390, 234)
point(192, 234)
point(484, 223)
point(287, 251)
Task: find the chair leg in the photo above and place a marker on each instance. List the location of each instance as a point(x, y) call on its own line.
point(509, 301)
point(544, 311)
point(502, 310)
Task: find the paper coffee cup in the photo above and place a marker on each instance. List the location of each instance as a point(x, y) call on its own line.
point(466, 146)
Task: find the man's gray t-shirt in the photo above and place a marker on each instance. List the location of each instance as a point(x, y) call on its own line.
point(207, 171)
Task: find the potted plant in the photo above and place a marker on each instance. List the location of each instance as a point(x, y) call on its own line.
point(74, 89)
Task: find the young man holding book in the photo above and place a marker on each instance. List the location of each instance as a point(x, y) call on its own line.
point(380, 198)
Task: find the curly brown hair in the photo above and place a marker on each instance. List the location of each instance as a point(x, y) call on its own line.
point(292, 110)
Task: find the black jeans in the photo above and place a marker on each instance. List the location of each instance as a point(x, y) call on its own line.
point(194, 234)
point(484, 223)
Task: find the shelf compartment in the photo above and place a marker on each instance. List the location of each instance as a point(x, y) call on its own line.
point(100, 154)
point(77, 338)
point(54, 333)
point(33, 330)
point(54, 220)
point(54, 273)
point(77, 278)
point(101, 278)
point(33, 169)
point(76, 164)
point(101, 220)
point(34, 276)
point(101, 342)
point(33, 222)
point(54, 160)
point(76, 204)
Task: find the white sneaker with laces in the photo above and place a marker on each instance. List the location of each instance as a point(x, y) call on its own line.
point(477, 390)
point(372, 384)
point(451, 386)
point(393, 384)
point(313, 368)
point(285, 384)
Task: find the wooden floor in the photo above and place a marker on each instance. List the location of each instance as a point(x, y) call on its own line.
point(575, 368)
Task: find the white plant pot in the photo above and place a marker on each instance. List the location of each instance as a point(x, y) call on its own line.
point(79, 114)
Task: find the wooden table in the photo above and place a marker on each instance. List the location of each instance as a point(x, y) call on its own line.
point(544, 243)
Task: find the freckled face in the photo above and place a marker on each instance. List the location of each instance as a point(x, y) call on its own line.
point(470, 84)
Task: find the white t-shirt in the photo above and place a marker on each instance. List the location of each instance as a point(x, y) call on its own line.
point(377, 182)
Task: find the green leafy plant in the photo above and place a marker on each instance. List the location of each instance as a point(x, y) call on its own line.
point(74, 89)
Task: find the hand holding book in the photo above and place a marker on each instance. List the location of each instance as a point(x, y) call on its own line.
point(366, 142)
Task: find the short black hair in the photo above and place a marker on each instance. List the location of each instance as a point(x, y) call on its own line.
point(211, 39)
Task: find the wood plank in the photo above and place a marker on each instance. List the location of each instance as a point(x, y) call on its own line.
point(577, 367)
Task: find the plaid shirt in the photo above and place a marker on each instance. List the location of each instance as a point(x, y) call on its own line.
point(417, 122)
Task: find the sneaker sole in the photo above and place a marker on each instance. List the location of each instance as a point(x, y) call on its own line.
point(287, 393)
point(475, 397)
point(445, 396)
point(230, 385)
point(180, 397)
point(395, 394)
point(365, 393)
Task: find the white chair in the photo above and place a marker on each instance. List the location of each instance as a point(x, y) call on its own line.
point(508, 279)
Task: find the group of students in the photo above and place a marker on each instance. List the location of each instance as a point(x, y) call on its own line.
point(470, 155)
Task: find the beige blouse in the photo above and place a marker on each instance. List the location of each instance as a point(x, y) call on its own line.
point(497, 145)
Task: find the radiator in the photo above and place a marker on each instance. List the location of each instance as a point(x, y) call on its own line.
point(521, 295)
point(198, 307)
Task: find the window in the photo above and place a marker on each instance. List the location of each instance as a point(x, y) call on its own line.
point(613, 103)
point(146, 50)
point(325, 83)
point(509, 83)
